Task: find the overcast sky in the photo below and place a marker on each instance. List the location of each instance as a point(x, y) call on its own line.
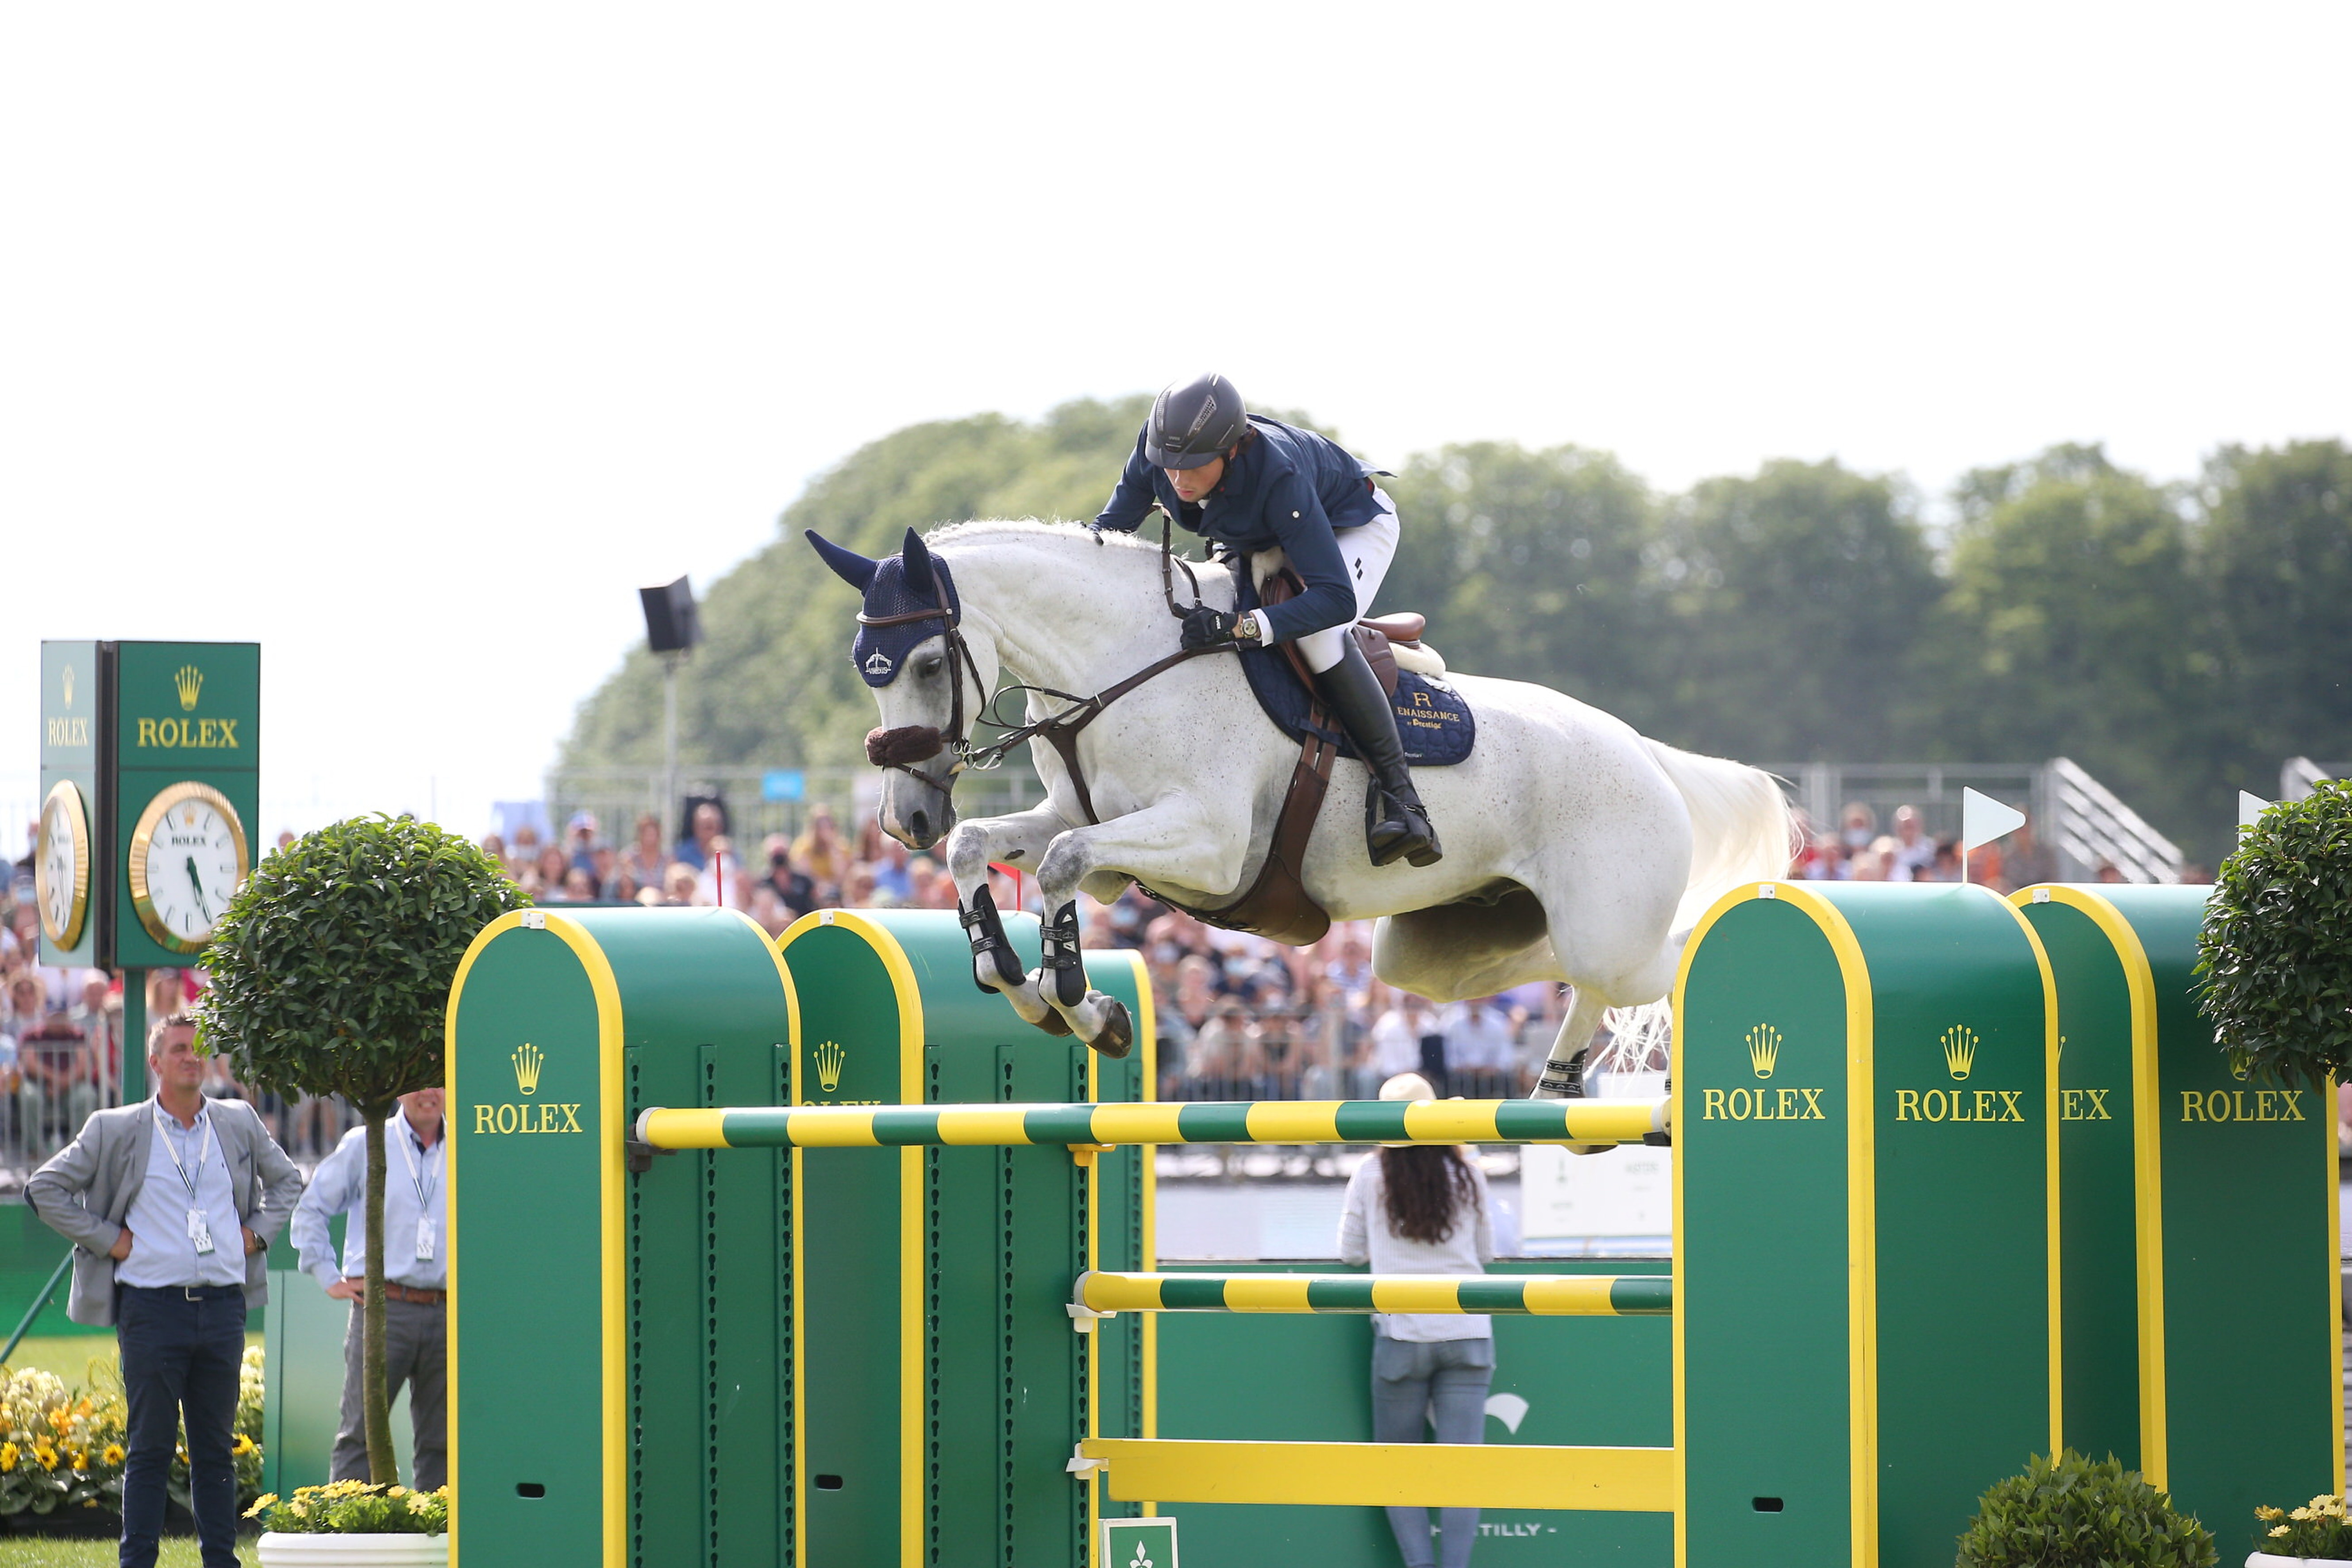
point(409, 341)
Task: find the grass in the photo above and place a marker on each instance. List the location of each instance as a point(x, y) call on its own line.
point(35, 1552)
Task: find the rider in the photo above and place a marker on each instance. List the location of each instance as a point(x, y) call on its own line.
point(1254, 485)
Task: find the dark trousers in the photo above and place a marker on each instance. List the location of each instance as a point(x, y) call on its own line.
point(182, 1350)
point(416, 1353)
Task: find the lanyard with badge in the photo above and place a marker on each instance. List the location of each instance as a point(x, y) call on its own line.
point(200, 1230)
point(427, 1237)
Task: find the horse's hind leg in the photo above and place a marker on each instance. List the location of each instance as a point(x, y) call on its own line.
point(1019, 840)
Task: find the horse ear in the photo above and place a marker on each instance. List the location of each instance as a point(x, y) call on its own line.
point(851, 567)
point(917, 557)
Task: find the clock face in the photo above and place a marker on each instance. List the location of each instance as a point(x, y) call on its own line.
point(187, 860)
point(61, 865)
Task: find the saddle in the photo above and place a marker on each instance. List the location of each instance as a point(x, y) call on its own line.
point(1276, 904)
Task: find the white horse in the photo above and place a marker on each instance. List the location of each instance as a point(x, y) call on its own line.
point(1571, 842)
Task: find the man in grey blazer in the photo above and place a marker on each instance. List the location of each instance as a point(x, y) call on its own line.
point(170, 1205)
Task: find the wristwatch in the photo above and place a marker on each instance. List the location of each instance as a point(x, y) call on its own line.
point(1249, 628)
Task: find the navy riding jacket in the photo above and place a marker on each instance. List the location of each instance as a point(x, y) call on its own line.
point(1290, 489)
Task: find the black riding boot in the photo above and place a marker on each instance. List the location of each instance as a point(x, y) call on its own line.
point(1396, 827)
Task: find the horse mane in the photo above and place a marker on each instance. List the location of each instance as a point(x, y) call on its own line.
point(979, 528)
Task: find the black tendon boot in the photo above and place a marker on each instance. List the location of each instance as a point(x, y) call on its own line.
point(1396, 827)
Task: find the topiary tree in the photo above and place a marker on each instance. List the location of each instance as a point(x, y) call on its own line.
point(330, 975)
point(2069, 1512)
point(2276, 950)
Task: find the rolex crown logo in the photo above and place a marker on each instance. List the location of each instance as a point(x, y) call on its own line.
point(191, 682)
point(68, 684)
point(527, 1063)
point(830, 1059)
point(1959, 1050)
point(1763, 1049)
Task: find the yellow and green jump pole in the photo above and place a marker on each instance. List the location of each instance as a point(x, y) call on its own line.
point(1103, 1292)
point(1112, 1126)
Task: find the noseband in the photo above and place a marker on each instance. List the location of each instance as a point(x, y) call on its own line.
point(911, 743)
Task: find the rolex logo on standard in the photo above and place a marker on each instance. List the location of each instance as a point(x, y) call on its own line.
point(191, 683)
point(527, 1063)
point(1763, 1049)
point(1959, 1051)
point(830, 1059)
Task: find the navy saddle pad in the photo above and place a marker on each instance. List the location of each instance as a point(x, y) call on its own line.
point(1432, 720)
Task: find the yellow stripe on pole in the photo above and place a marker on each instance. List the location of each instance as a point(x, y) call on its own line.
point(1155, 1123)
point(1614, 1121)
point(1579, 1296)
point(995, 1125)
point(1295, 1121)
point(1107, 1293)
point(1382, 1475)
point(833, 1127)
point(1275, 1294)
point(1449, 1122)
point(686, 1129)
point(1416, 1293)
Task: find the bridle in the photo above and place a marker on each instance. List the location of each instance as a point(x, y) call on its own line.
point(907, 745)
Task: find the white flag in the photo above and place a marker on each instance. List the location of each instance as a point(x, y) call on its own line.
point(1984, 819)
point(2250, 806)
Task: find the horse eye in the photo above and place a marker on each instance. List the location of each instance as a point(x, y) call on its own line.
point(931, 667)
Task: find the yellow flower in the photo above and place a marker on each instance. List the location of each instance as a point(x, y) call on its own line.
point(80, 1460)
point(397, 1491)
point(2268, 1513)
point(2300, 1513)
point(7, 1456)
point(243, 1446)
point(267, 1499)
point(47, 1456)
point(113, 1455)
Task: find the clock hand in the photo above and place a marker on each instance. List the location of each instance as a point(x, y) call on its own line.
point(202, 903)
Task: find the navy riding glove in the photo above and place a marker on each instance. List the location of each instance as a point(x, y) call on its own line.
point(1207, 627)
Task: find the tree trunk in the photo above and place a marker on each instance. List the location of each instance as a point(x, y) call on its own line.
point(384, 1464)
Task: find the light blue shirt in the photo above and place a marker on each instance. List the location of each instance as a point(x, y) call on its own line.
point(163, 1253)
point(340, 1187)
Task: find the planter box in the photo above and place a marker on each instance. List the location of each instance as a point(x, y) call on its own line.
point(2264, 1559)
point(279, 1550)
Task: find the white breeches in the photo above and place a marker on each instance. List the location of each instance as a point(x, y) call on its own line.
point(1368, 551)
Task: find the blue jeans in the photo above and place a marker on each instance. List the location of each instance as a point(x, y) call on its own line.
point(179, 1354)
point(1418, 1384)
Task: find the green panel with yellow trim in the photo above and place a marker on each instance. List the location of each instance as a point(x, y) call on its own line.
point(186, 759)
point(944, 1392)
point(1864, 1085)
point(620, 1357)
point(2231, 1180)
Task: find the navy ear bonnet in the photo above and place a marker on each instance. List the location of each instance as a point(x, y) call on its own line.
point(896, 585)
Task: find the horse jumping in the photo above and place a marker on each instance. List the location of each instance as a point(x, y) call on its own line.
point(1571, 842)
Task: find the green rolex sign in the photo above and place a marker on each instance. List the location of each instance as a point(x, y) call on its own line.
point(186, 731)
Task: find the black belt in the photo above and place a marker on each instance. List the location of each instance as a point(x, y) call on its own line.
point(191, 1292)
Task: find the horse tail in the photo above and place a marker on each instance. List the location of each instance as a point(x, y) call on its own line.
point(1742, 829)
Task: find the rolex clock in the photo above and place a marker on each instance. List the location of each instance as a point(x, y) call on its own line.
point(187, 858)
point(61, 865)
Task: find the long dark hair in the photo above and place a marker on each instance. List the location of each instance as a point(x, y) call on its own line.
point(1429, 1185)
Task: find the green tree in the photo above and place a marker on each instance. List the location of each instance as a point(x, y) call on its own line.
point(1530, 565)
point(1796, 599)
point(2277, 557)
point(2075, 625)
point(772, 682)
point(330, 975)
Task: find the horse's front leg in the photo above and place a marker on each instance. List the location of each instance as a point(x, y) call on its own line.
point(1019, 840)
point(1176, 840)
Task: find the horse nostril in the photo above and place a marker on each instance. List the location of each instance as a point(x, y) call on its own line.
point(921, 823)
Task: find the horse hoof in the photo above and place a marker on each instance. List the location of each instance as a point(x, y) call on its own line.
point(1118, 1035)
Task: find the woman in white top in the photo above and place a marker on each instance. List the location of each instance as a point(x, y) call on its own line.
point(1424, 1209)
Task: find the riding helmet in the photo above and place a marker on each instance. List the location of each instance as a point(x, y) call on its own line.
point(1193, 422)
